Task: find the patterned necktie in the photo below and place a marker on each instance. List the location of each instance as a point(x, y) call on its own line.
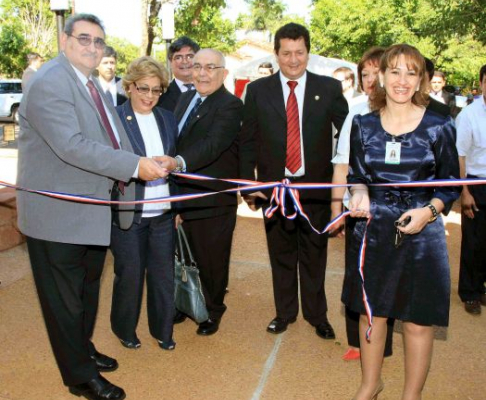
point(191, 115)
point(294, 159)
point(106, 122)
point(189, 86)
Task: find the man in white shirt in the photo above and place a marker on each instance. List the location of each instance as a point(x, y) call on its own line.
point(471, 146)
point(110, 83)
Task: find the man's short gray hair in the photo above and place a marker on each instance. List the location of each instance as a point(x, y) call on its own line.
point(69, 26)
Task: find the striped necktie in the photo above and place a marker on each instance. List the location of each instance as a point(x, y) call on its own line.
point(294, 158)
point(106, 122)
point(191, 115)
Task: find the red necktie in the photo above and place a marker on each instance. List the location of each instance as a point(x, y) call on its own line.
point(294, 159)
point(106, 122)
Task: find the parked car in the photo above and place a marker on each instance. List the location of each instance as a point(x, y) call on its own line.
point(10, 96)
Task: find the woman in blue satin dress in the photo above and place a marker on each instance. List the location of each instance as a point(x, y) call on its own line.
point(406, 274)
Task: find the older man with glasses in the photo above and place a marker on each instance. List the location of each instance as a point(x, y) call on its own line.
point(72, 141)
point(181, 54)
point(209, 123)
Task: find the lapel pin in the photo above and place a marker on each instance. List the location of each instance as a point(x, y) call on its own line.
point(317, 97)
point(129, 118)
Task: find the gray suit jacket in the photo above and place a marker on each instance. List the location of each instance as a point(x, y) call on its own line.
point(64, 147)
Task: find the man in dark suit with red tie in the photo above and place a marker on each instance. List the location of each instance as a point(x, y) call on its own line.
point(287, 133)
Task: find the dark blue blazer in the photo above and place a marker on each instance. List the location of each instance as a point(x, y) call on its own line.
point(168, 134)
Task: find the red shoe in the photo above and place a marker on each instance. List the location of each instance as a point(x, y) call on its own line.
point(351, 354)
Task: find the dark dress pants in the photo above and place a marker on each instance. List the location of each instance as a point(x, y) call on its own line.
point(67, 277)
point(472, 273)
point(210, 241)
point(297, 253)
point(146, 249)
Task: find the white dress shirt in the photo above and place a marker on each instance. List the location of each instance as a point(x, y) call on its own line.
point(437, 96)
point(109, 88)
point(342, 152)
point(299, 94)
point(181, 86)
point(471, 137)
point(153, 147)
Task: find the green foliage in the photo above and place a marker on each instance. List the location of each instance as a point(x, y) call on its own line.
point(127, 52)
point(445, 31)
point(265, 15)
point(26, 26)
point(13, 52)
point(204, 23)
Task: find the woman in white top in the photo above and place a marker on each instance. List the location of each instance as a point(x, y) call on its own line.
point(146, 249)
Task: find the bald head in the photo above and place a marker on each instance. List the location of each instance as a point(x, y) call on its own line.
point(209, 71)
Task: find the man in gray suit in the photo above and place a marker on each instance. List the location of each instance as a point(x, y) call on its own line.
point(72, 141)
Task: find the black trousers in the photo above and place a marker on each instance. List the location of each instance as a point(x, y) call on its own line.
point(144, 250)
point(210, 241)
point(67, 277)
point(472, 273)
point(299, 254)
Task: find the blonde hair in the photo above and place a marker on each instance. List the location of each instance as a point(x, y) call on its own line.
point(144, 67)
point(415, 61)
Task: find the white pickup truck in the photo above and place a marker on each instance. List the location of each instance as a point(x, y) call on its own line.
point(10, 96)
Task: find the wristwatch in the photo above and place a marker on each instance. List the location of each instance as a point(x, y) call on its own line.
point(432, 208)
point(180, 164)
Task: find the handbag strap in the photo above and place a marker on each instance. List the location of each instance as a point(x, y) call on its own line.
point(183, 243)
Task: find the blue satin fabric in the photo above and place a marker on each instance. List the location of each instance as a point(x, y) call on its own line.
point(412, 282)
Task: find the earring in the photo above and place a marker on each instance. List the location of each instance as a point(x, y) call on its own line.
point(381, 84)
point(418, 88)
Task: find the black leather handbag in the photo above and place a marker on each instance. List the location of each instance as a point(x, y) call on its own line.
point(189, 298)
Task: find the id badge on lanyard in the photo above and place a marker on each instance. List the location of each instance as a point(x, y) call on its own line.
point(392, 152)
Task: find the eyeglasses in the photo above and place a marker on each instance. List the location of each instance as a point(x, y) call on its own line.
point(209, 68)
point(86, 40)
point(180, 57)
point(145, 90)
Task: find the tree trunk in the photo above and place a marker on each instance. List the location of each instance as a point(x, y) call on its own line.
point(145, 24)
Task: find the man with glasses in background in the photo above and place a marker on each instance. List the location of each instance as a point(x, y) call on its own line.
point(209, 121)
point(72, 141)
point(181, 54)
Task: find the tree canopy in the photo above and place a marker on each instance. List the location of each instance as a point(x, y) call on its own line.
point(445, 31)
point(452, 33)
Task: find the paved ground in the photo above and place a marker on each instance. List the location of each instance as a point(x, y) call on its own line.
point(242, 361)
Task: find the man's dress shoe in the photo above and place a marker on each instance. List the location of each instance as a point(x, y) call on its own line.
point(104, 363)
point(279, 325)
point(131, 344)
point(179, 317)
point(208, 327)
point(473, 307)
point(98, 389)
point(170, 345)
point(325, 331)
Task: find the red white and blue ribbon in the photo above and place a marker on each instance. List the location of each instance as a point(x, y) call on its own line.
point(277, 201)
